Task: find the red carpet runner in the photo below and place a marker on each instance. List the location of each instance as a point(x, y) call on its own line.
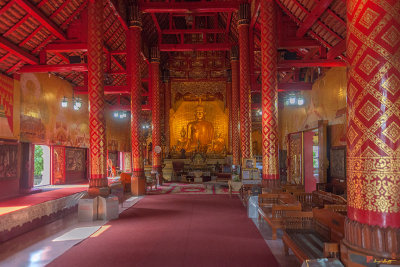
point(176, 230)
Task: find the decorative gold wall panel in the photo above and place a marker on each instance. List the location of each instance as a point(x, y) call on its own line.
point(198, 89)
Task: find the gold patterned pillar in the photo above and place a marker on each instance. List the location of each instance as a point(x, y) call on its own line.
point(229, 107)
point(138, 185)
point(245, 93)
point(167, 107)
point(98, 183)
point(372, 228)
point(156, 109)
point(235, 106)
point(269, 91)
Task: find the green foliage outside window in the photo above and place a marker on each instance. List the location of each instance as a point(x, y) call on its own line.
point(38, 160)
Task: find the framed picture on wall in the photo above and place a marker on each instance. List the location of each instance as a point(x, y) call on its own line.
point(247, 174)
point(256, 174)
point(8, 161)
point(338, 162)
point(249, 163)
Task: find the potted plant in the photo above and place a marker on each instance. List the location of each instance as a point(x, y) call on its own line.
point(235, 183)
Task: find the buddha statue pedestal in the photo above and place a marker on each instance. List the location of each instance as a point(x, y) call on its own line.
point(197, 176)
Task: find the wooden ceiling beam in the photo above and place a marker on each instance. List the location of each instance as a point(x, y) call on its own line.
point(337, 50)
point(17, 51)
point(196, 47)
point(298, 43)
point(73, 15)
point(189, 7)
point(38, 15)
point(66, 47)
point(192, 31)
point(312, 17)
point(294, 86)
point(287, 86)
point(311, 63)
point(6, 7)
point(118, 14)
point(60, 8)
point(53, 68)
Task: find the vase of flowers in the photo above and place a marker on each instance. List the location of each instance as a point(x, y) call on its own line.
point(235, 184)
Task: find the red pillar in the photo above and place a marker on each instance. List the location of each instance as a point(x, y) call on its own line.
point(372, 228)
point(155, 109)
point(245, 94)
point(229, 107)
point(138, 185)
point(269, 92)
point(235, 106)
point(98, 184)
point(167, 107)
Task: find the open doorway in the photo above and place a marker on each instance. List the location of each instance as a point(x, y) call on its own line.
point(42, 165)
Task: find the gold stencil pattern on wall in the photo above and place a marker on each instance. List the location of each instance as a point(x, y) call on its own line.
point(198, 88)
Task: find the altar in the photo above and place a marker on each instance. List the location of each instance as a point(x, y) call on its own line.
point(185, 170)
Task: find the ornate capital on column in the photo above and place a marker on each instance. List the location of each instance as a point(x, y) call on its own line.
point(244, 14)
point(154, 54)
point(234, 53)
point(134, 15)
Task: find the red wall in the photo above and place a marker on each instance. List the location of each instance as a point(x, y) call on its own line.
point(9, 188)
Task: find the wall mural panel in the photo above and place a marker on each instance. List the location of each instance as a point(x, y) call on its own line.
point(75, 159)
point(127, 162)
point(6, 106)
point(295, 158)
point(338, 162)
point(8, 161)
point(58, 165)
point(43, 120)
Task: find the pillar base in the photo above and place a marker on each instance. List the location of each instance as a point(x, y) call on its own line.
point(365, 245)
point(138, 183)
point(99, 191)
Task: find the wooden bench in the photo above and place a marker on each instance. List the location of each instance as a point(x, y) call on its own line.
point(305, 199)
point(313, 234)
point(292, 188)
point(342, 209)
point(269, 199)
point(320, 198)
point(275, 215)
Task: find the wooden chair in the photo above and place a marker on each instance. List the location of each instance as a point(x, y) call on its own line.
point(305, 199)
point(275, 215)
point(126, 181)
point(313, 234)
point(342, 209)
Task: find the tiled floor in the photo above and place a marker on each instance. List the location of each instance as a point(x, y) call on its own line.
point(41, 246)
point(276, 246)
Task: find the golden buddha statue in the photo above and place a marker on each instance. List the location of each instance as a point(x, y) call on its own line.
point(200, 132)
